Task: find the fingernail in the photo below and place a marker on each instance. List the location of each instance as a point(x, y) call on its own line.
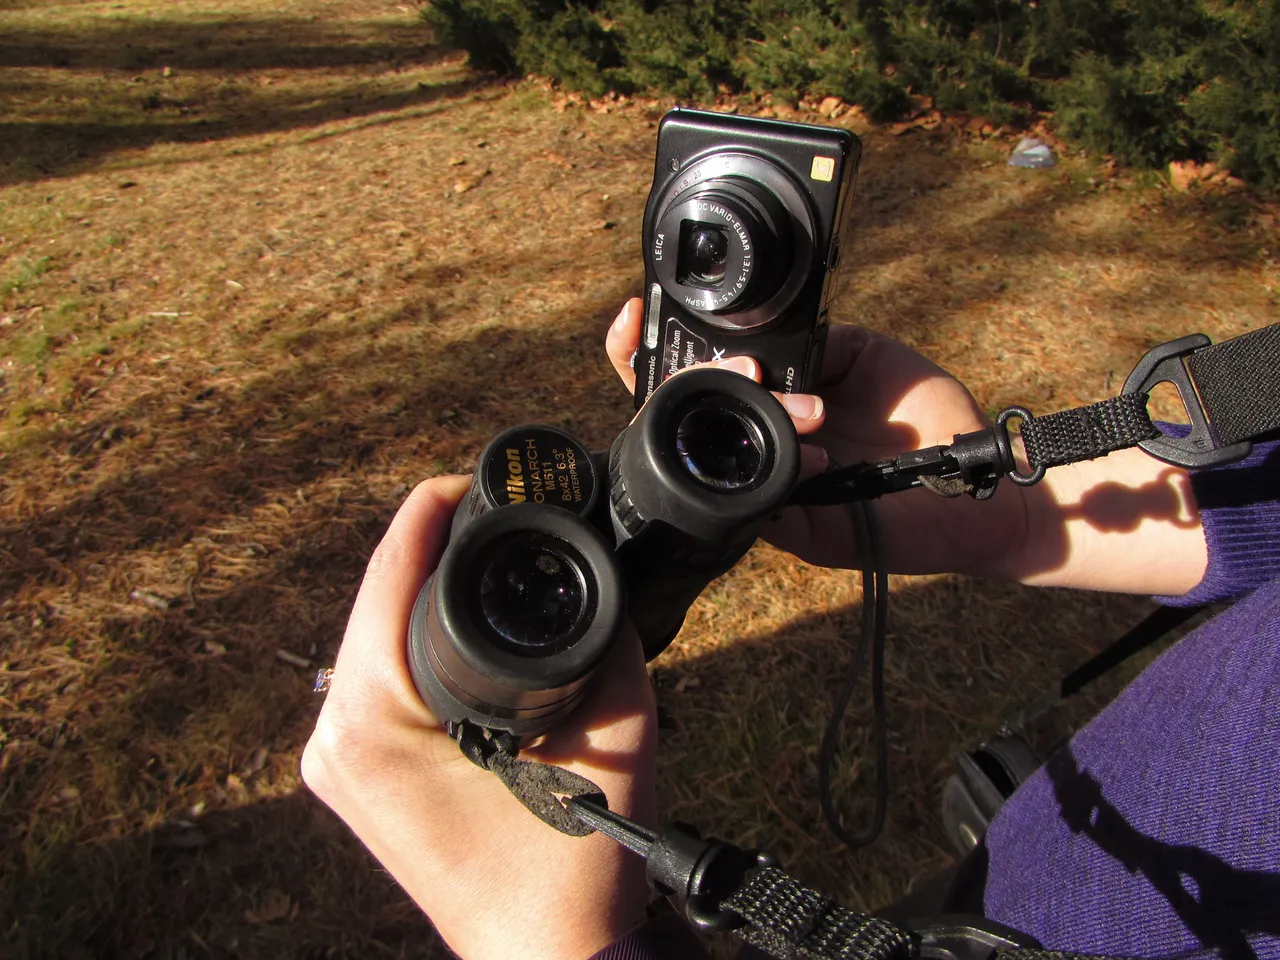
point(621, 320)
point(803, 406)
point(743, 365)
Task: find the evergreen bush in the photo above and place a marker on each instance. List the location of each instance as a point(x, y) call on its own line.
point(1148, 81)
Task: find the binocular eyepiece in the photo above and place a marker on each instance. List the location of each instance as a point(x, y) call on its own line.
point(553, 546)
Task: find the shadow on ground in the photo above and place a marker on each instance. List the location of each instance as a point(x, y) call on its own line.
point(422, 402)
point(260, 43)
point(74, 97)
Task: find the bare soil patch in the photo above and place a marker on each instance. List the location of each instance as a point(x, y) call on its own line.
point(262, 268)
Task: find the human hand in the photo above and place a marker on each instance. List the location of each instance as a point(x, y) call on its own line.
point(495, 881)
point(877, 399)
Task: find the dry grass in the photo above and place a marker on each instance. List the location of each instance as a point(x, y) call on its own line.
point(243, 307)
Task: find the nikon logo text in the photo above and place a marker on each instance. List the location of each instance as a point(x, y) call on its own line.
point(515, 477)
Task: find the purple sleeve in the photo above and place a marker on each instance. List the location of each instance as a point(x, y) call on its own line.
point(1240, 508)
point(663, 938)
point(1156, 831)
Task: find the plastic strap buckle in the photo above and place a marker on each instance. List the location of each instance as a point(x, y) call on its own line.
point(1201, 447)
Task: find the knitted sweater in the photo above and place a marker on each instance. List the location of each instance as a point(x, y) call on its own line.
point(1156, 831)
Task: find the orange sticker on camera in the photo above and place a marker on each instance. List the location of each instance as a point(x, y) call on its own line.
point(824, 169)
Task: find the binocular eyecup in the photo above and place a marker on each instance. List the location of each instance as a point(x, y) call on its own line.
point(708, 455)
point(525, 604)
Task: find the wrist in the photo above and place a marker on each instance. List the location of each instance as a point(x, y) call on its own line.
point(998, 536)
point(1126, 523)
point(565, 900)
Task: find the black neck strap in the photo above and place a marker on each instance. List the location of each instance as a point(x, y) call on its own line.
point(1231, 391)
point(722, 887)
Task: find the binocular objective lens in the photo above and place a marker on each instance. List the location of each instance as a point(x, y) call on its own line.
point(721, 449)
point(706, 252)
point(533, 596)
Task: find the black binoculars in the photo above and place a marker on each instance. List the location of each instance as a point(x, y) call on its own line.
point(553, 546)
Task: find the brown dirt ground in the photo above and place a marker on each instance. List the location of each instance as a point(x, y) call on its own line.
point(263, 267)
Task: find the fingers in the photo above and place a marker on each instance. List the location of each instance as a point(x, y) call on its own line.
point(622, 339)
point(373, 648)
point(807, 410)
point(813, 460)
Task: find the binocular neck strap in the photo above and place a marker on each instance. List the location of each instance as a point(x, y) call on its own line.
point(786, 919)
point(762, 904)
point(541, 787)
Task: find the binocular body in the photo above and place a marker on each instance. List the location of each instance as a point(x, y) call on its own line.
point(554, 546)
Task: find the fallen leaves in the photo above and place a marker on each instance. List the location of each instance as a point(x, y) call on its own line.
point(469, 183)
point(1183, 174)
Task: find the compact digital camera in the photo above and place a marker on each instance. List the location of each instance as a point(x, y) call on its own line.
point(743, 233)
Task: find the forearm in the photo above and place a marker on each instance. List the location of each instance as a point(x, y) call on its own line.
point(1126, 523)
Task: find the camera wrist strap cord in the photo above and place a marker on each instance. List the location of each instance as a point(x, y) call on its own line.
point(875, 615)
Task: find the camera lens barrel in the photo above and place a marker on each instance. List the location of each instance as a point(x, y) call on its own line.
point(742, 239)
point(523, 607)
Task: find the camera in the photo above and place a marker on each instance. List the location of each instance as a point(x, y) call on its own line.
point(743, 232)
point(553, 546)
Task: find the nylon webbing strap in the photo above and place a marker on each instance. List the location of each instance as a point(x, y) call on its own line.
point(1239, 384)
point(788, 920)
point(1031, 953)
point(1087, 432)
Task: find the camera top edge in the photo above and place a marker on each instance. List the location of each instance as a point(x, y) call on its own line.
point(763, 127)
point(687, 137)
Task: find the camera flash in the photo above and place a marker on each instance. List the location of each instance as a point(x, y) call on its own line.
point(824, 168)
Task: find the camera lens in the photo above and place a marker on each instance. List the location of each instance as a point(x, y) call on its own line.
point(732, 239)
point(533, 595)
point(721, 448)
point(705, 254)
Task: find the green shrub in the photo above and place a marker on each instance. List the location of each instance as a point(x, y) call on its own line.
point(1133, 112)
point(509, 36)
point(1236, 110)
point(1146, 80)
